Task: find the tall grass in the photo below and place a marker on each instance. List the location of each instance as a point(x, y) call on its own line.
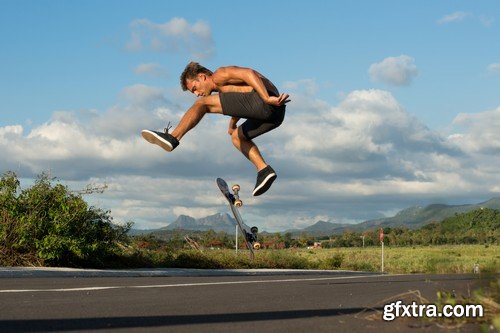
point(397, 260)
point(423, 259)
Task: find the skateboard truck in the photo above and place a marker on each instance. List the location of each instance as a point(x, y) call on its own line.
point(236, 190)
point(252, 235)
point(255, 243)
point(235, 202)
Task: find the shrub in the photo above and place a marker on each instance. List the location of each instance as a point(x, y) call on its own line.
point(51, 225)
point(195, 259)
point(333, 262)
point(281, 260)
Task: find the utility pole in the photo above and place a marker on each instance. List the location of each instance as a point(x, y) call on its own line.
point(236, 239)
point(381, 237)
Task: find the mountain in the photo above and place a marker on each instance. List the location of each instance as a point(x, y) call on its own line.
point(412, 217)
point(492, 204)
point(182, 222)
point(320, 228)
point(217, 223)
point(416, 217)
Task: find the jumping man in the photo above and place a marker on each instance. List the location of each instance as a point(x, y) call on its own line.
point(242, 93)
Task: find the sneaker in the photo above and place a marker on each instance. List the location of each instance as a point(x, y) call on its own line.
point(265, 179)
point(164, 140)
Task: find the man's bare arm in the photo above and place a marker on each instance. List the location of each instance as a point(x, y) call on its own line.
point(241, 75)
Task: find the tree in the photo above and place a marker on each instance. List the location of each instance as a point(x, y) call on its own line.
point(50, 223)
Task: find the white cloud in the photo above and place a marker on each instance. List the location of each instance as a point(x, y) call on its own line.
point(344, 162)
point(398, 71)
point(141, 94)
point(486, 21)
point(14, 131)
point(368, 135)
point(479, 132)
point(309, 86)
point(494, 68)
point(453, 17)
point(176, 35)
point(151, 69)
point(460, 16)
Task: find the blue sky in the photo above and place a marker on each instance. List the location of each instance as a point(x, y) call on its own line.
point(391, 100)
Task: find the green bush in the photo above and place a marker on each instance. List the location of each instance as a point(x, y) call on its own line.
point(195, 259)
point(333, 262)
point(49, 224)
point(365, 266)
point(281, 259)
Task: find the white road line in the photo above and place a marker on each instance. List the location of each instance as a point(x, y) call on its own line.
point(184, 284)
point(57, 290)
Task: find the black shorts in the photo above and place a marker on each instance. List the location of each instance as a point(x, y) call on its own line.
point(261, 117)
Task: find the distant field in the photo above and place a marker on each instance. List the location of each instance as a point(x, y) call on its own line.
point(397, 260)
point(420, 259)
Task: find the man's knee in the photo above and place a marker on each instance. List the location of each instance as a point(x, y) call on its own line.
point(209, 103)
point(237, 136)
point(234, 137)
point(201, 104)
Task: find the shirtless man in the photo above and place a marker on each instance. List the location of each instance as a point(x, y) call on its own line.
point(242, 93)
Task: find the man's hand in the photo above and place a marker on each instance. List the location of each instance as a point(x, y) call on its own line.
point(278, 100)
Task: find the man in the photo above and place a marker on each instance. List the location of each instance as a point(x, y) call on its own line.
point(242, 93)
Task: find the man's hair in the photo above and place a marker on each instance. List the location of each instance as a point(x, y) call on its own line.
point(191, 71)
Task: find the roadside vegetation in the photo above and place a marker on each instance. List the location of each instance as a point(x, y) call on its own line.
point(397, 260)
point(47, 224)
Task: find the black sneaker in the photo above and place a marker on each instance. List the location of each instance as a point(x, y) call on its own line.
point(265, 179)
point(164, 140)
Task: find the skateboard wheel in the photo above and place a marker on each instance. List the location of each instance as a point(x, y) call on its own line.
point(254, 230)
point(238, 203)
point(256, 246)
point(236, 187)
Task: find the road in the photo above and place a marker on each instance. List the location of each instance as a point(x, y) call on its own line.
point(215, 301)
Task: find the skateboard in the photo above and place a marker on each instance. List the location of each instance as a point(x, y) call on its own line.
point(234, 203)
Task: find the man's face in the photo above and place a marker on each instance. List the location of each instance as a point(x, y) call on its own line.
point(199, 85)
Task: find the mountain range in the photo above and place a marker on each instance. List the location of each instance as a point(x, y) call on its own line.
point(412, 217)
point(218, 223)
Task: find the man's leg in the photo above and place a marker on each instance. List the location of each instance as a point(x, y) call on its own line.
point(241, 138)
point(265, 174)
point(168, 141)
point(203, 105)
point(248, 148)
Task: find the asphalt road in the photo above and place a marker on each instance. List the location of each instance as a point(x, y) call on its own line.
point(244, 301)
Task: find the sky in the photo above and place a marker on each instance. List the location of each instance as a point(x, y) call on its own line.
point(393, 104)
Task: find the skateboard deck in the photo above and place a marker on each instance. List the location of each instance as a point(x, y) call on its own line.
point(235, 202)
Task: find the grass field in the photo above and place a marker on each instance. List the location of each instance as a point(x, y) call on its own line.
point(397, 260)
